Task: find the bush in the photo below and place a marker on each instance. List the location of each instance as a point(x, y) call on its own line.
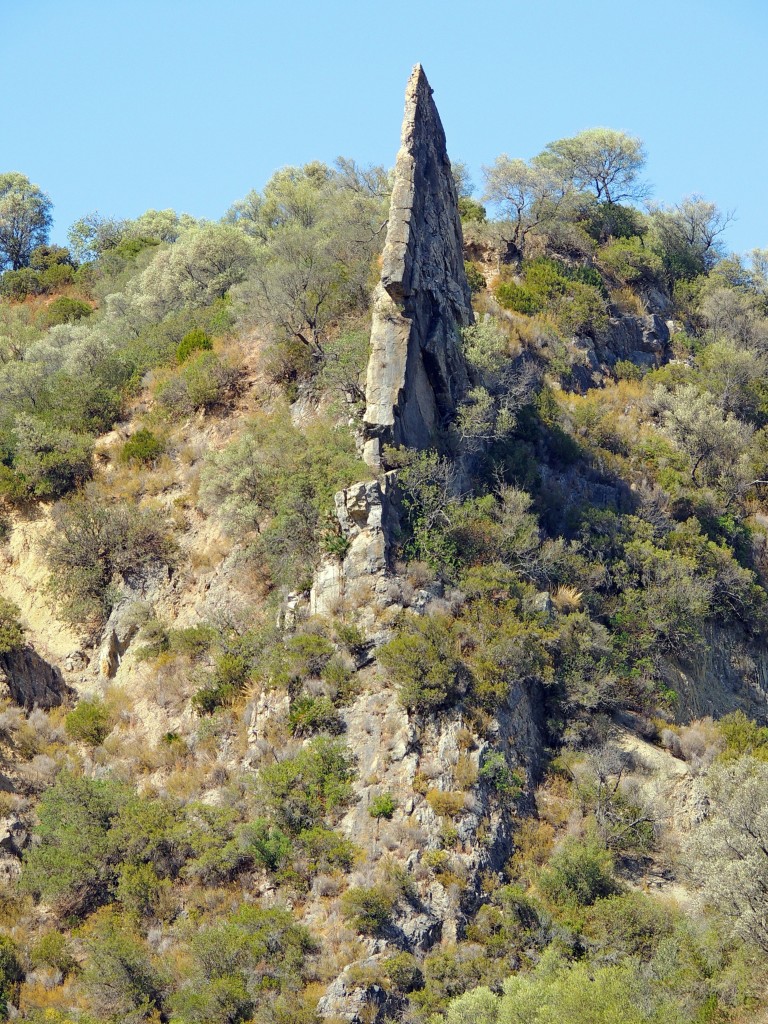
point(143, 447)
point(302, 790)
point(18, 284)
point(266, 843)
point(47, 461)
point(446, 804)
point(309, 715)
point(203, 382)
point(196, 340)
point(142, 894)
point(277, 484)
point(573, 295)
point(578, 873)
point(11, 630)
point(65, 311)
point(368, 910)
point(120, 977)
point(322, 849)
point(625, 369)
point(630, 260)
point(11, 973)
point(71, 863)
point(382, 806)
point(95, 544)
point(90, 722)
point(496, 772)
point(423, 662)
point(53, 950)
point(404, 972)
point(475, 277)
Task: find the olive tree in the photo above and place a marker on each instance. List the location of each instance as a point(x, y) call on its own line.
point(688, 235)
point(319, 232)
point(600, 161)
point(527, 194)
point(728, 852)
point(25, 219)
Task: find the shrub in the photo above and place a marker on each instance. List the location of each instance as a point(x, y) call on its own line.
point(203, 382)
point(277, 484)
point(18, 284)
point(630, 260)
point(143, 447)
point(496, 772)
point(382, 806)
point(424, 664)
point(303, 789)
point(47, 461)
point(404, 972)
point(266, 843)
point(71, 863)
point(579, 872)
point(309, 715)
point(194, 641)
point(475, 277)
point(625, 369)
point(11, 973)
point(368, 910)
point(90, 722)
point(322, 849)
point(120, 977)
point(93, 544)
point(53, 950)
point(11, 630)
point(196, 340)
point(518, 298)
point(65, 311)
point(141, 893)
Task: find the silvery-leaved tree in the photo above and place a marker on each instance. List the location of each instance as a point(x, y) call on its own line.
point(25, 219)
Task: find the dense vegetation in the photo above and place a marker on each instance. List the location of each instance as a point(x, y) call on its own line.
point(178, 406)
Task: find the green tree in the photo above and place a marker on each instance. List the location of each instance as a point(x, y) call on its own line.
point(600, 161)
point(25, 219)
point(120, 977)
point(72, 864)
point(527, 194)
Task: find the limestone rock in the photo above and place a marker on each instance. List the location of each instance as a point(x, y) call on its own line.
point(643, 340)
point(122, 626)
point(361, 511)
point(416, 369)
point(358, 1002)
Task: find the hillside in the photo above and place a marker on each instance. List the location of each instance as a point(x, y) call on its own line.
point(383, 608)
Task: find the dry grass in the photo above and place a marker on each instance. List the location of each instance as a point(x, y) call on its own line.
point(465, 772)
point(628, 301)
point(446, 803)
point(567, 598)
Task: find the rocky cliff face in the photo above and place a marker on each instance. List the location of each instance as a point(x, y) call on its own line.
point(416, 371)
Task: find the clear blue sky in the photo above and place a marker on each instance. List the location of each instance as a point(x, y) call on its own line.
point(122, 105)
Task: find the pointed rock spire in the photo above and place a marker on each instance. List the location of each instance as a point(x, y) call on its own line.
point(416, 370)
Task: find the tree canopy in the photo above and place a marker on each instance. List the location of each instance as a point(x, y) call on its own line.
point(25, 219)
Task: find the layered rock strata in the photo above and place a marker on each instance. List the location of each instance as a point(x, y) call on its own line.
point(416, 370)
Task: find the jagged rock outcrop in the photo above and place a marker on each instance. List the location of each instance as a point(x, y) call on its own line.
point(30, 681)
point(416, 370)
point(356, 577)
